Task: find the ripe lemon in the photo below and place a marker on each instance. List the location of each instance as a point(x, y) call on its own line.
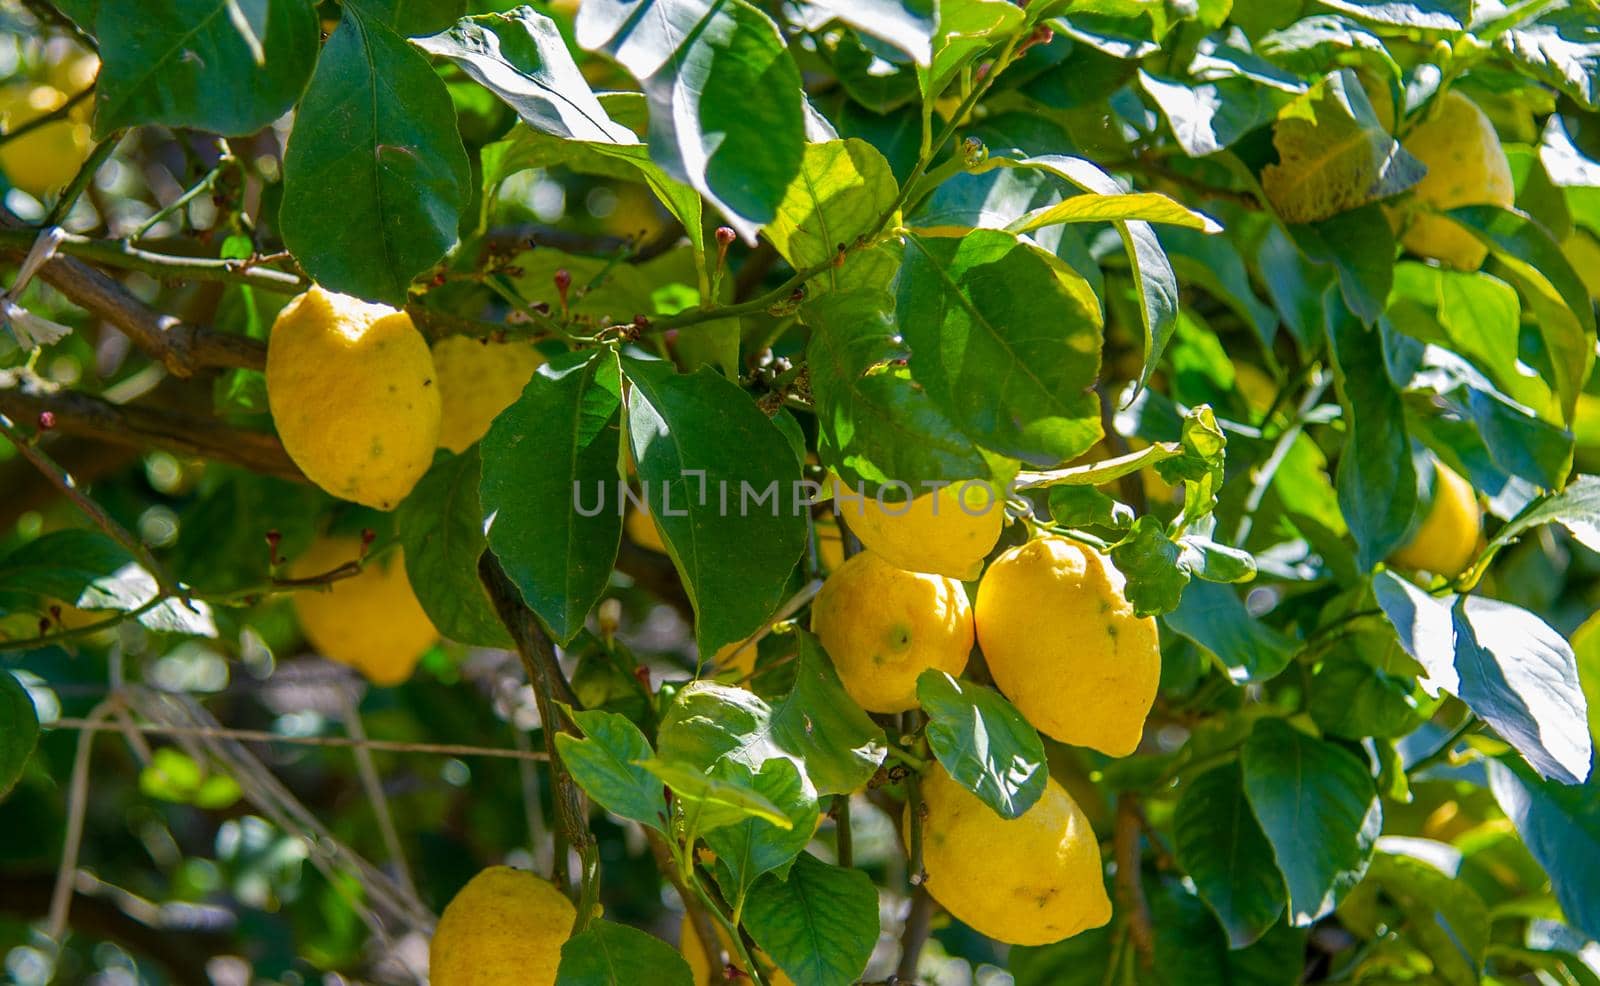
point(738, 657)
point(1064, 645)
point(883, 626)
point(477, 380)
point(353, 393)
point(370, 621)
point(1030, 880)
point(1446, 541)
point(695, 954)
point(505, 926)
point(642, 530)
point(1466, 166)
point(948, 532)
point(46, 158)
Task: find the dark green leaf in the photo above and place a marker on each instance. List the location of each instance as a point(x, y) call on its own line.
point(875, 423)
point(441, 532)
point(1420, 903)
point(1214, 263)
point(1353, 699)
point(605, 763)
point(699, 64)
point(816, 725)
point(558, 442)
point(1006, 340)
point(1360, 246)
point(752, 847)
point(1560, 825)
point(1085, 506)
point(520, 56)
point(609, 954)
point(1149, 559)
point(1214, 617)
point(19, 730)
point(706, 455)
point(819, 925)
point(375, 177)
point(983, 742)
point(1377, 480)
point(1319, 809)
point(1208, 117)
point(1221, 846)
point(215, 65)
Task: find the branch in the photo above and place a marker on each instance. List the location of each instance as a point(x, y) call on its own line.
point(148, 427)
point(1129, 886)
point(162, 266)
point(918, 922)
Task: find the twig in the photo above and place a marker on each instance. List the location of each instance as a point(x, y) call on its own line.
point(72, 840)
point(1129, 886)
point(261, 736)
point(1280, 450)
point(123, 255)
point(919, 920)
point(64, 482)
point(59, 113)
point(373, 785)
point(549, 687)
point(699, 919)
point(80, 181)
point(844, 839)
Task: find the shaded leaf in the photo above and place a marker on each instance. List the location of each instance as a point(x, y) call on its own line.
point(1214, 617)
point(1560, 825)
point(440, 525)
point(983, 742)
point(1221, 846)
point(610, 954)
point(752, 847)
point(819, 925)
point(605, 762)
point(19, 730)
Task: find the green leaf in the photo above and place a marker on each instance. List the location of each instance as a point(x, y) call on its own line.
point(1215, 264)
point(1360, 246)
point(1377, 480)
point(875, 423)
point(1319, 809)
point(1206, 559)
point(410, 18)
point(1092, 208)
point(1576, 508)
point(905, 24)
point(19, 730)
point(1422, 904)
point(836, 746)
point(610, 954)
point(1561, 47)
point(706, 455)
point(1353, 699)
point(1221, 846)
point(1150, 561)
point(1006, 340)
point(1432, 15)
point(819, 925)
point(375, 177)
point(173, 775)
point(708, 803)
point(440, 525)
point(967, 28)
point(752, 847)
point(1211, 116)
point(983, 742)
point(88, 570)
point(521, 57)
point(605, 763)
point(1214, 617)
point(1311, 44)
point(216, 65)
point(1153, 278)
point(1562, 309)
point(1560, 825)
point(844, 187)
point(701, 65)
point(549, 454)
point(1085, 506)
point(1333, 154)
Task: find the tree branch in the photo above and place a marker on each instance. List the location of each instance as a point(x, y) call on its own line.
point(1129, 885)
point(167, 267)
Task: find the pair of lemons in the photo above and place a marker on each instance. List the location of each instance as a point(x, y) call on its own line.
point(361, 403)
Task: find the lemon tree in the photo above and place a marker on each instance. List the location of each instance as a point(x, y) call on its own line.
point(677, 492)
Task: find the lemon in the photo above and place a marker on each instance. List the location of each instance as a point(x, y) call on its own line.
point(883, 626)
point(1446, 541)
point(353, 393)
point(695, 954)
point(371, 621)
point(1065, 647)
point(830, 542)
point(642, 530)
point(46, 158)
point(505, 926)
point(1586, 644)
point(737, 658)
point(477, 380)
point(1030, 880)
point(947, 532)
point(1466, 166)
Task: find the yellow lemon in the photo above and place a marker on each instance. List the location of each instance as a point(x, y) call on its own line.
point(738, 658)
point(1065, 647)
point(948, 532)
point(830, 542)
point(1446, 541)
point(642, 530)
point(371, 621)
point(695, 954)
point(883, 626)
point(1466, 166)
point(46, 158)
point(353, 394)
point(505, 926)
point(1586, 644)
point(477, 380)
point(1030, 880)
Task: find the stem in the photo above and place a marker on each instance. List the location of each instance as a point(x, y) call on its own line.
point(122, 255)
point(72, 841)
point(1129, 887)
point(373, 785)
point(844, 838)
point(915, 934)
point(80, 181)
point(1280, 451)
point(1443, 750)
